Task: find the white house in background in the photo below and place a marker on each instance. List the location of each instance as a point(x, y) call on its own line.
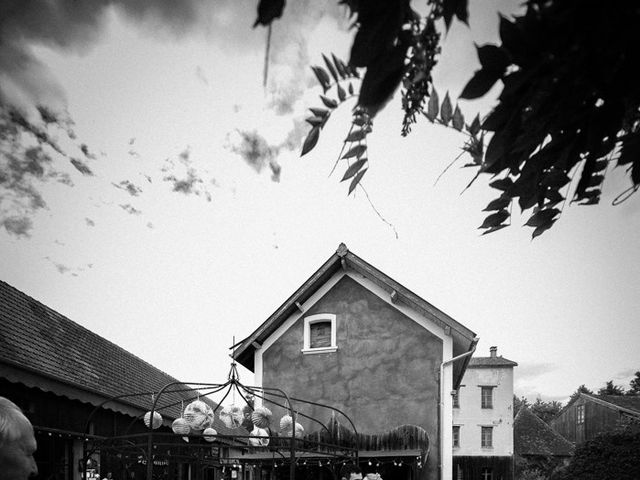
point(483, 420)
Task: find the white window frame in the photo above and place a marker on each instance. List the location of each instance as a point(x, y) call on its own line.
point(482, 430)
point(310, 320)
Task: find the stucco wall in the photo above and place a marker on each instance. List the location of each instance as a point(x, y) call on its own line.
point(471, 416)
point(384, 373)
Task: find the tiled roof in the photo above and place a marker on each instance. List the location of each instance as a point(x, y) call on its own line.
point(630, 402)
point(36, 339)
point(491, 362)
point(532, 436)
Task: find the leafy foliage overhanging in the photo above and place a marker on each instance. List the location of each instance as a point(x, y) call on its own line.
point(569, 108)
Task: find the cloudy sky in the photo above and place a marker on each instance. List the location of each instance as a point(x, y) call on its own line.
point(173, 212)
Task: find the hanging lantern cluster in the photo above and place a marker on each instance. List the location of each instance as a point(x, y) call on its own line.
point(261, 417)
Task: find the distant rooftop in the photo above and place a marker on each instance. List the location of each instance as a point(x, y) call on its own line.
point(533, 437)
point(493, 360)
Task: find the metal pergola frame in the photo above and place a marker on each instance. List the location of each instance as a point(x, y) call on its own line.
point(326, 445)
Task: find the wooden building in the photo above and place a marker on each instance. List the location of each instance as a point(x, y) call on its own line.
point(352, 337)
point(58, 373)
point(588, 415)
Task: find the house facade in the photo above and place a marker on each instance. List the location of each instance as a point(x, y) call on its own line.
point(356, 339)
point(589, 415)
point(483, 420)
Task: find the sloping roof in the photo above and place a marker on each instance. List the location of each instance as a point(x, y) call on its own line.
point(627, 403)
point(489, 362)
point(43, 349)
point(463, 338)
point(532, 436)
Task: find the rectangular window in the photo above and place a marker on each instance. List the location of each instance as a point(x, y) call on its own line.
point(460, 473)
point(487, 397)
point(320, 334)
point(456, 399)
point(487, 474)
point(487, 437)
point(456, 436)
point(580, 414)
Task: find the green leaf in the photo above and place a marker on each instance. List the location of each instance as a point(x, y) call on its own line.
point(480, 84)
point(542, 217)
point(542, 228)
point(350, 89)
point(458, 119)
point(555, 179)
point(342, 71)
point(342, 95)
point(356, 135)
point(446, 111)
point(493, 229)
point(329, 65)
point(319, 112)
point(356, 151)
point(323, 77)
point(502, 184)
point(495, 219)
point(498, 204)
point(353, 169)
point(311, 140)
point(313, 121)
point(328, 102)
point(356, 180)
point(474, 128)
point(433, 106)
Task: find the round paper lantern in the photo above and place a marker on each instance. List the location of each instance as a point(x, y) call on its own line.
point(288, 431)
point(198, 415)
point(259, 437)
point(285, 422)
point(180, 427)
point(157, 419)
point(209, 434)
point(261, 417)
point(232, 416)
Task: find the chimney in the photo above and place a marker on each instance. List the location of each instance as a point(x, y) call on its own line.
point(493, 351)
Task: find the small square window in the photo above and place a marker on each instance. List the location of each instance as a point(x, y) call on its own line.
point(487, 474)
point(487, 437)
point(320, 333)
point(456, 436)
point(487, 397)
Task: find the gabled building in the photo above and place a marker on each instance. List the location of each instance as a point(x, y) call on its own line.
point(483, 420)
point(58, 373)
point(354, 338)
point(587, 415)
point(537, 445)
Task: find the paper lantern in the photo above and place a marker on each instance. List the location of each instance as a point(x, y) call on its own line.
point(209, 434)
point(232, 416)
point(198, 415)
point(157, 419)
point(180, 427)
point(286, 428)
point(261, 417)
point(259, 437)
point(285, 422)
